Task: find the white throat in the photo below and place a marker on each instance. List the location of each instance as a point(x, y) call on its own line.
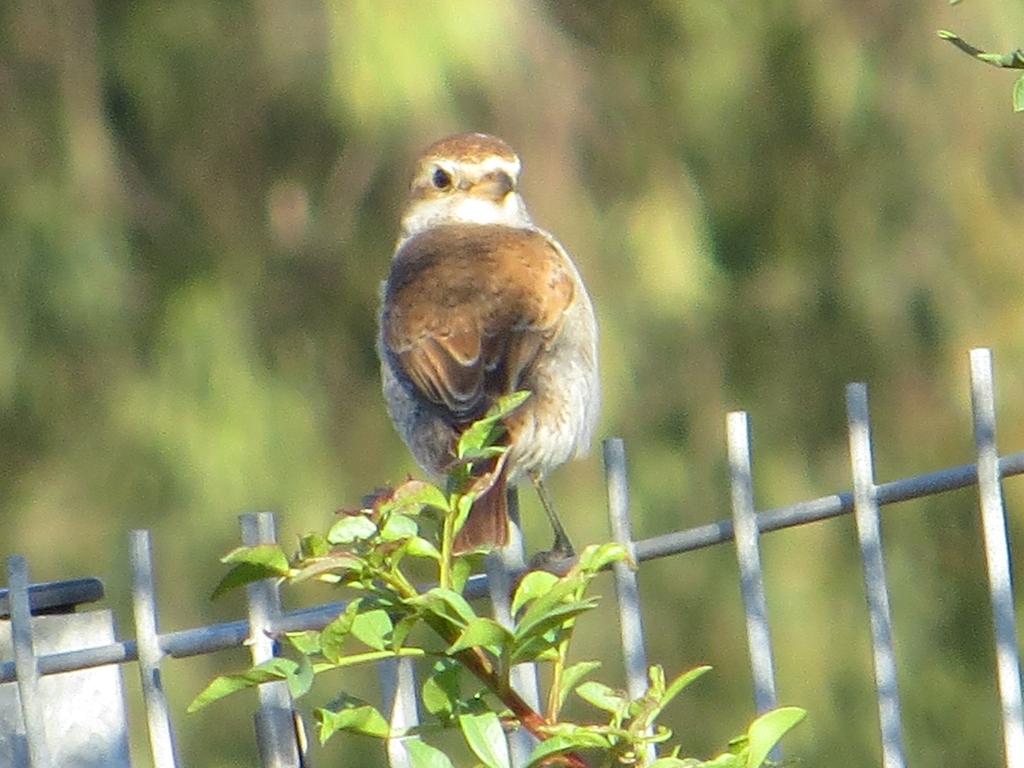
point(464, 209)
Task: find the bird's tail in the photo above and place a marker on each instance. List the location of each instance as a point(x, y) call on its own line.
point(487, 524)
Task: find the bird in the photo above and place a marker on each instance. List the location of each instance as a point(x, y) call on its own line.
point(479, 302)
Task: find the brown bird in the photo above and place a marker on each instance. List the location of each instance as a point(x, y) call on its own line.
point(479, 303)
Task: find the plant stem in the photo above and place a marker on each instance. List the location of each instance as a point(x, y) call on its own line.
point(445, 575)
point(477, 662)
point(447, 536)
point(363, 658)
point(554, 706)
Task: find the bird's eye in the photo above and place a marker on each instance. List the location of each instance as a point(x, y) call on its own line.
point(441, 178)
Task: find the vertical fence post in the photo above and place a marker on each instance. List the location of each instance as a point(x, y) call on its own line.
point(747, 535)
point(627, 591)
point(398, 688)
point(869, 532)
point(25, 663)
point(276, 724)
point(500, 566)
point(997, 555)
point(147, 633)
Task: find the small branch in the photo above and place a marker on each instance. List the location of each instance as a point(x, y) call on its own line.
point(477, 662)
point(1012, 60)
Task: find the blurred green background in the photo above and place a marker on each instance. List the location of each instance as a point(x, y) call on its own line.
point(199, 199)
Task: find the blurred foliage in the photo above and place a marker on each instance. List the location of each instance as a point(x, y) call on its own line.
point(199, 199)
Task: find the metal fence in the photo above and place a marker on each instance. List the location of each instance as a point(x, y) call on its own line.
point(30, 657)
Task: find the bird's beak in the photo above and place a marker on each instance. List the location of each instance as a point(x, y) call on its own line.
point(494, 185)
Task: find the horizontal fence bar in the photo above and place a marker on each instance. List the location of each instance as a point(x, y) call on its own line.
point(185, 643)
point(57, 596)
point(823, 508)
point(232, 634)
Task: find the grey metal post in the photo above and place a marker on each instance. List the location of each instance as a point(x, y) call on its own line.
point(161, 735)
point(25, 663)
point(501, 565)
point(398, 686)
point(997, 556)
point(627, 591)
point(276, 723)
point(869, 531)
point(748, 554)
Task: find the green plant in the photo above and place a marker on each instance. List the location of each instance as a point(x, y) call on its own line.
point(1012, 60)
point(367, 552)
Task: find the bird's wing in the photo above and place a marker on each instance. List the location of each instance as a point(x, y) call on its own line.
point(467, 310)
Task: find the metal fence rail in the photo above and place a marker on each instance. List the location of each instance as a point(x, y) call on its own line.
point(280, 740)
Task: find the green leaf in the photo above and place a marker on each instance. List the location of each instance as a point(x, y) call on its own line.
point(485, 431)
point(413, 496)
point(725, 760)
point(332, 637)
point(1018, 95)
point(269, 556)
point(682, 681)
point(306, 643)
point(350, 528)
point(301, 680)
point(598, 556)
point(326, 568)
point(766, 731)
point(422, 755)
point(556, 616)
point(241, 575)
point(572, 675)
point(602, 696)
point(313, 545)
point(486, 738)
point(540, 649)
point(463, 507)
point(225, 685)
point(266, 561)
point(399, 527)
point(506, 404)
point(482, 633)
point(445, 604)
point(417, 546)
point(586, 736)
point(363, 719)
point(533, 585)
point(543, 604)
point(556, 745)
point(441, 691)
point(486, 451)
point(373, 628)
point(402, 629)
point(462, 568)
point(477, 437)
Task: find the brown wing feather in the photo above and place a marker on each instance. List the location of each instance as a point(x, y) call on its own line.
point(467, 309)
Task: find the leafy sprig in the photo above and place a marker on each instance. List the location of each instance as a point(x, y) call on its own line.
point(469, 657)
point(1012, 60)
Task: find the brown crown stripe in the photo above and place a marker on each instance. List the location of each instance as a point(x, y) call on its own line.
point(470, 147)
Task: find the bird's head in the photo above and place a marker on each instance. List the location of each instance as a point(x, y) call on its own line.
point(469, 178)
